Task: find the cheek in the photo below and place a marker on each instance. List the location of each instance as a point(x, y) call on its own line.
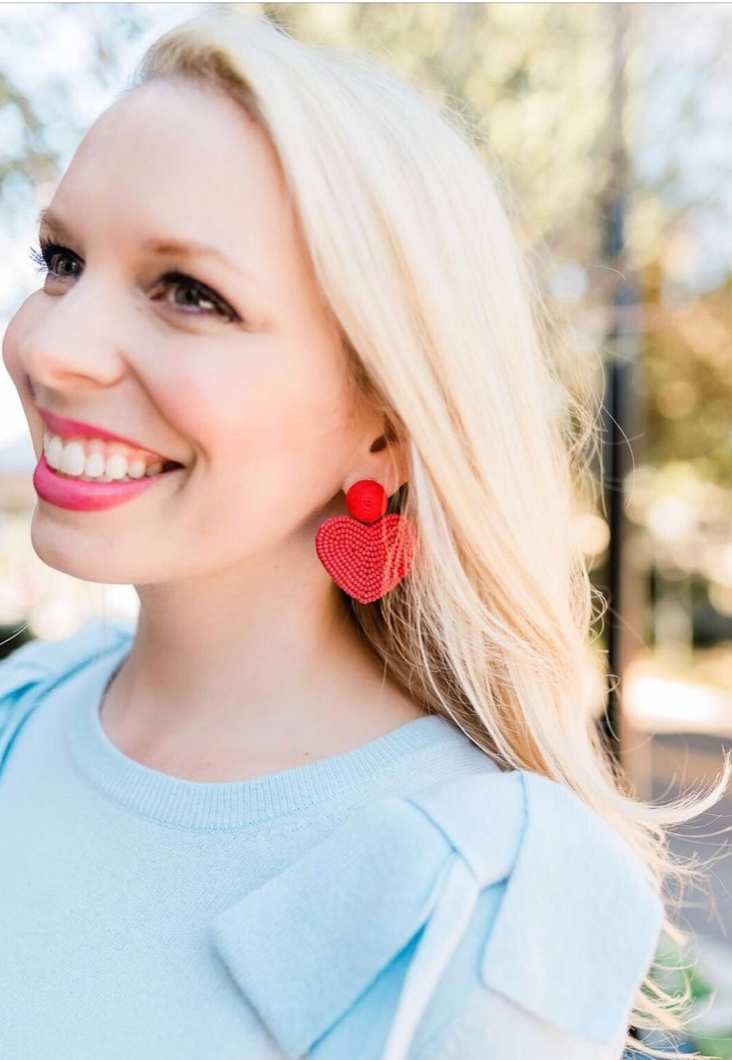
point(256, 412)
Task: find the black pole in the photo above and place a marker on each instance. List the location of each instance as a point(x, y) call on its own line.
point(620, 415)
point(619, 412)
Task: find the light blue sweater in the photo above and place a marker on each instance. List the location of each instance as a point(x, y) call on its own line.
point(405, 899)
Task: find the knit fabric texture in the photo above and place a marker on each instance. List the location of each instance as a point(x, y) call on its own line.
point(352, 908)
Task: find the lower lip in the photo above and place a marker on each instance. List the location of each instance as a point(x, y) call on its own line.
point(82, 496)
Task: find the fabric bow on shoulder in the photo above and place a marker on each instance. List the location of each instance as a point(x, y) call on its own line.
point(31, 672)
point(574, 933)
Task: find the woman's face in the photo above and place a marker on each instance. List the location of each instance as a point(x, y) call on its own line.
point(235, 369)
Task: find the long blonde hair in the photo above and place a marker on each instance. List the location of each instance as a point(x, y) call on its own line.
point(413, 245)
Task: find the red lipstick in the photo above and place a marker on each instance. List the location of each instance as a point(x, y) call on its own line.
point(65, 491)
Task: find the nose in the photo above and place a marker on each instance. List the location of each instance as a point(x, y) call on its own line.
point(69, 343)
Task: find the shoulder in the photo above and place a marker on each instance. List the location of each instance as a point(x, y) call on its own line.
point(507, 883)
point(31, 671)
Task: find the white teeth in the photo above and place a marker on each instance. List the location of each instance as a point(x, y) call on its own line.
point(136, 469)
point(116, 466)
point(93, 462)
point(94, 466)
point(73, 459)
point(54, 451)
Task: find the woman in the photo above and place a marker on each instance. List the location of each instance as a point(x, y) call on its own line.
point(339, 792)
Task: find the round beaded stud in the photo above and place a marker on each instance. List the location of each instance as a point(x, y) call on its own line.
point(367, 558)
point(367, 500)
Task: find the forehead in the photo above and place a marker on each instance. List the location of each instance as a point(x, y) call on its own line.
point(172, 153)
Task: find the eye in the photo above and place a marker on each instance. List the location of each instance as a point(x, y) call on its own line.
point(49, 251)
point(200, 292)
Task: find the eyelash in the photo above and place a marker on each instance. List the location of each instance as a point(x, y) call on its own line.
point(48, 249)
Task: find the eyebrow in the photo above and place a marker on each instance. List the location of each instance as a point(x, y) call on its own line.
point(156, 245)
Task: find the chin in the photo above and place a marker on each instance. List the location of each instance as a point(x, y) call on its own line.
point(68, 550)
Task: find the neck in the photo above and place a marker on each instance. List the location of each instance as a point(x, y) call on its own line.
point(225, 687)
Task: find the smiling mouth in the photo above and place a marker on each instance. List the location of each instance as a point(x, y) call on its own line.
point(96, 460)
point(168, 465)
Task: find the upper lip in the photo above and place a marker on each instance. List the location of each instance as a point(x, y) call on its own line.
point(67, 428)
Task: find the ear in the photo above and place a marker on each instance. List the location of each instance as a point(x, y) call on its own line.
point(385, 457)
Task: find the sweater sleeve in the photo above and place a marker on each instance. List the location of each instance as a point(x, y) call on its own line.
point(491, 1026)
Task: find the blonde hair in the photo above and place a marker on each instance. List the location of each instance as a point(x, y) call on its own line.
point(442, 324)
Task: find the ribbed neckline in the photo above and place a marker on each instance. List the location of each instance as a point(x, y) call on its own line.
point(183, 803)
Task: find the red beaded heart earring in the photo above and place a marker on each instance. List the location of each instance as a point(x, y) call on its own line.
point(370, 557)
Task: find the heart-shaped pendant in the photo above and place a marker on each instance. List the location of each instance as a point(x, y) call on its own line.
point(367, 560)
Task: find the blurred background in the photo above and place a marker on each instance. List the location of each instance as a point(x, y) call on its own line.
point(609, 127)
